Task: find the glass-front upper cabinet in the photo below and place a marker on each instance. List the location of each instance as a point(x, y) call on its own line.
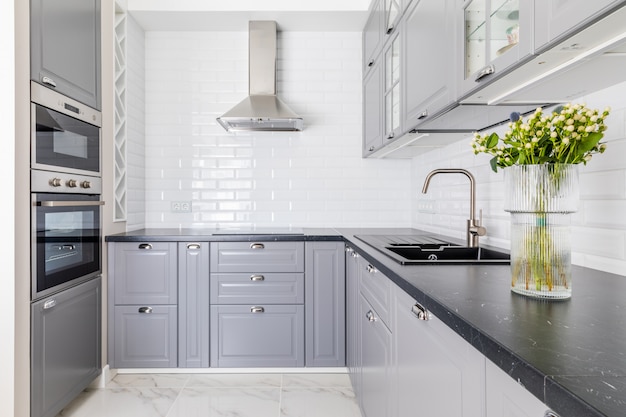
point(392, 90)
point(392, 15)
point(496, 35)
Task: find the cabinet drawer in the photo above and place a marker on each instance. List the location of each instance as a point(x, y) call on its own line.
point(268, 288)
point(144, 273)
point(257, 336)
point(257, 257)
point(376, 289)
point(145, 337)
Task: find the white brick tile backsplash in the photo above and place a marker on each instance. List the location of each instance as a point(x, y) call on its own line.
point(313, 178)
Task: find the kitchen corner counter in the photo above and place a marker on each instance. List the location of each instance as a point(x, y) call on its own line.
point(570, 354)
point(226, 235)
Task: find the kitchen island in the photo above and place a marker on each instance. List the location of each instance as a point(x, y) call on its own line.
point(569, 354)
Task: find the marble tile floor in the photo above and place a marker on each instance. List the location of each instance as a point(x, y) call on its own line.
point(218, 395)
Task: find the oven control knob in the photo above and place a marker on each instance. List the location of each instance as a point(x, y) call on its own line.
point(72, 183)
point(85, 184)
point(55, 182)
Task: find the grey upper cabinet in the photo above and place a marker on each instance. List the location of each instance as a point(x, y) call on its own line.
point(325, 304)
point(555, 19)
point(428, 60)
point(373, 35)
point(494, 36)
point(71, 315)
point(392, 89)
point(65, 48)
point(193, 305)
point(437, 371)
point(143, 323)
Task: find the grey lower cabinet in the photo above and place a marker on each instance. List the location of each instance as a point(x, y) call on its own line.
point(325, 311)
point(66, 329)
point(257, 304)
point(437, 372)
point(65, 48)
point(143, 308)
point(193, 304)
point(376, 345)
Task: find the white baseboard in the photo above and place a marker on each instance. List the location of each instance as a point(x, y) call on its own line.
point(329, 370)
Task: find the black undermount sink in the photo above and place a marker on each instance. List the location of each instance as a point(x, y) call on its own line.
point(425, 249)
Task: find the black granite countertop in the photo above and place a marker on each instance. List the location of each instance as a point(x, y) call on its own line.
point(570, 354)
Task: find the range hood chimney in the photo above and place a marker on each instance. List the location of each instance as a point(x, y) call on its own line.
point(262, 110)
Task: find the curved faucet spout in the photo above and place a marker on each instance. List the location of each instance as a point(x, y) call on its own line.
point(474, 228)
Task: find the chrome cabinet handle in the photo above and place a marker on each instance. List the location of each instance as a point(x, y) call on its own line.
point(420, 312)
point(371, 63)
point(257, 246)
point(390, 29)
point(257, 309)
point(49, 304)
point(372, 148)
point(193, 246)
point(145, 310)
point(370, 316)
point(370, 269)
point(145, 246)
point(488, 70)
point(549, 413)
point(423, 115)
point(257, 278)
point(69, 203)
point(349, 249)
point(48, 81)
point(391, 135)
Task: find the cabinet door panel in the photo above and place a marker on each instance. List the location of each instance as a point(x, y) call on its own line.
point(376, 288)
point(373, 109)
point(265, 288)
point(193, 305)
point(325, 304)
point(257, 336)
point(145, 273)
point(65, 47)
point(373, 34)
point(257, 257)
point(353, 322)
point(145, 339)
point(438, 372)
point(376, 351)
point(66, 346)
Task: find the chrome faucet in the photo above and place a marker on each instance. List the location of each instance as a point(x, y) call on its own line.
point(474, 228)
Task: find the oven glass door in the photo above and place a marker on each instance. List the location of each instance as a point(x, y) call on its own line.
point(63, 143)
point(66, 241)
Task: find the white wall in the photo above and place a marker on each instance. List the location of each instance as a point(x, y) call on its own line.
point(598, 228)
point(7, 245)
point(315, 178)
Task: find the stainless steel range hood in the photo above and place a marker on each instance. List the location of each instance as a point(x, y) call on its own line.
point(262, 110)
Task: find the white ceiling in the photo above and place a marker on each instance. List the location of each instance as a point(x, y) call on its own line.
point(233, 15)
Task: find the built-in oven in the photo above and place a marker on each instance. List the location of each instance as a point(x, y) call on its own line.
point(66, 231)
point(65, 134)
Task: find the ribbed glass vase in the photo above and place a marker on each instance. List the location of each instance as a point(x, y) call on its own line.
point(540, 199)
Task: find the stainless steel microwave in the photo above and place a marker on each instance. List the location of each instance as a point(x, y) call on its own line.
point(65, 134)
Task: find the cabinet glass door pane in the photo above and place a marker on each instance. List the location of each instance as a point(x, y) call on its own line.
point(504, 26)
point(475, 22)
point(392, 88)
point(392, 9)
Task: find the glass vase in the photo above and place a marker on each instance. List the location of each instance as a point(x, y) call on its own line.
point(540, 199)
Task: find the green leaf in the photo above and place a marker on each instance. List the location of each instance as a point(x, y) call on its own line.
point(492, 141)
point(590, 141)
point(494, 163)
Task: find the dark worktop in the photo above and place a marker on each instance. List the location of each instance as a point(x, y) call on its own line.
point(570, 354)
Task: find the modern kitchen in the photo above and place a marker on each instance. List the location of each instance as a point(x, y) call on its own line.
point(281, 191)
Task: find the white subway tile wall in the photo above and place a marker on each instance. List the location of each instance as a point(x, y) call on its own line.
point(315, 178)
point(136, 125)
point(599, 226)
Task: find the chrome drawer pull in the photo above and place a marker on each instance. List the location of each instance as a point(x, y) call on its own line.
point(257, 278)
point(257, 246)
point(370, 316)
point(257, 310)
point(48, 81)
point(193, 246)
point(488, 70)
point(49, 304)
point(145, 310)
point(550, 414)
point(145, 246)
point(420, 312)
point(370, 269)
